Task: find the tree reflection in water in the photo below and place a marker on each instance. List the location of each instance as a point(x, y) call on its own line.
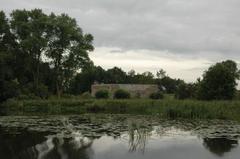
point(73, 137)
point(66, 146)
point(60, 148)
point(219, 146)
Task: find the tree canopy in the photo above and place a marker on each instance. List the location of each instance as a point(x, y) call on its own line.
point(40, 52)
point(219, 81)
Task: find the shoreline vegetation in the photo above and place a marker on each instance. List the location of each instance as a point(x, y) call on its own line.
point(166, 108)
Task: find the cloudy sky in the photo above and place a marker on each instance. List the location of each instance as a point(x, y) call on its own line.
point(184, 37)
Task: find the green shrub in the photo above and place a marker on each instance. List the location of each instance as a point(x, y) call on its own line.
point(67, 96)
point(8, 89)
point(185, 91)
point(156, 95)
point(30, 96)
point(102, 94)
point(121, 94)
point(42, 91)
point(86, 95)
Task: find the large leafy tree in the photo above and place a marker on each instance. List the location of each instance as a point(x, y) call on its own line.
point(67, 49)
point(30, 28)
point(8, 84)
point(219, 81)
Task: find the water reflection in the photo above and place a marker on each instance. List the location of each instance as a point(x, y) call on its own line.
point(74, 137)
point(59, 148)
point(219, 146)
point(138, 136)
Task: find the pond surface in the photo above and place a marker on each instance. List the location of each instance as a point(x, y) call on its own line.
point(116, 137)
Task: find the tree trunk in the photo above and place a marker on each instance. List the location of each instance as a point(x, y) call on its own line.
point(58, 90)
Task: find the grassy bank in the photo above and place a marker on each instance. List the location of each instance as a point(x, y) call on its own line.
point(169, 108)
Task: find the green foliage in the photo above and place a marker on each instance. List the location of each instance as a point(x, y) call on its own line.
point(121, 94)
point(188, 109)
point(156, 95)
point(102, 94)
point(27, 97)
point(9, 89)
point(185, 91)
point(86, 95)
point(30, 29)
point(28, 36)
point(167, 84)
point(82, 81)
point(161, 74)
point(67, 48)
point(219, 81)
point(42, 91)
point(115, 75)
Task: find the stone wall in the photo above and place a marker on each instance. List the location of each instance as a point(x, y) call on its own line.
point(136, 90)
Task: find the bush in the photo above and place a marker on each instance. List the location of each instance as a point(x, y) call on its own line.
point(8, 89)
point(121, 94)
point(86, 95)
point(185, 91)
point(156, 95)
point(102, 94)
point(42, 91)
point(30, 96)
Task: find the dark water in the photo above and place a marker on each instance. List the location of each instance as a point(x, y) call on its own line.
point(116, 137)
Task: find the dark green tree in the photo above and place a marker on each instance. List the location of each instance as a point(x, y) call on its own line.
point(185, 91)
point(168, 84)
point(30, 29)
point(219, 81)
point(115, 75)
point(8, 83)
point(67, 49)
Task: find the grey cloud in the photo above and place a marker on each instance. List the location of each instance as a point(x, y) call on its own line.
point(208, 28)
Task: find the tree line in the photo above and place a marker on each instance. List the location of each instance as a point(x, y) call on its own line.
point(47, 54)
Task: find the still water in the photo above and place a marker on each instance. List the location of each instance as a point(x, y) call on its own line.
point(116, 137)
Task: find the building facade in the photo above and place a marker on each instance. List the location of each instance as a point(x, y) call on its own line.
point(136, 90)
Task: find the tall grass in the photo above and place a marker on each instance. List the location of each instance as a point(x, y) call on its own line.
point(167, 108)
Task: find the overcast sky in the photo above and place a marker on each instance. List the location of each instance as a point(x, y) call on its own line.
point(184, 37)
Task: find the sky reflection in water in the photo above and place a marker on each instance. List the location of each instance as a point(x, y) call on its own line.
point(116, 137)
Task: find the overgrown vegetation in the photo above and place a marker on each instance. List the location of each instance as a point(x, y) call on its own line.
point(157, 95)
point(102, 94)
point(168, 108)
point(121, 94)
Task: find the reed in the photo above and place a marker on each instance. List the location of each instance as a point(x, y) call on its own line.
point(166, 108)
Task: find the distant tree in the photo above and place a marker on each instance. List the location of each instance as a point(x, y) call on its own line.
point(100, 74)
point(168, 84)
point(148, 74)
point(116, 75)
point(161, 74)
point(144, 78)
point(219, 81)
point(82, 81)
point(185, 91)
point(131, 77)
point(67, 49)
point(131, 73)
